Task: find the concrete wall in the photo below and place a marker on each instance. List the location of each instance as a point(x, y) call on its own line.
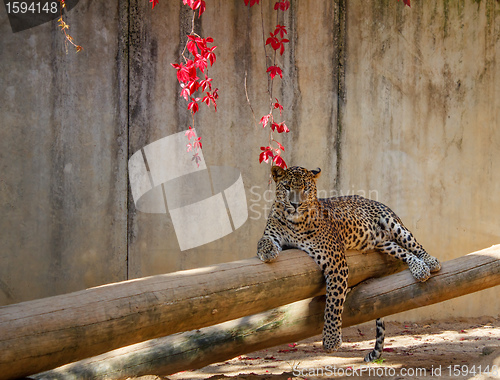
point(422, 125)
point(63, 151)
point(398, 104)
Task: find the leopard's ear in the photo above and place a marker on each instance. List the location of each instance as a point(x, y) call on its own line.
point(316, 173)
point(277, 173)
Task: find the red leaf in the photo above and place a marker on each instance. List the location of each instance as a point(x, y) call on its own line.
point(283, 128)
point(154, 3)
point(282, 42)
point(185, 93)
point(407, 2)
point(280, 128)
point(281, 29)
point(191, 45)
point(189, 147)
point(190, 133)
point(202, 8)
point(210, 55)
point(282, 5)
point(193, 86)
point(278, 105)
point(275, 70)
point(264, 120)
point(196, 4)
point(283, 149)
point(211, 97)
point(276, 43)
point(196, 159)
point(273, 40)
point(206, 83)
point(267, 153)
point(197, 143)
point(282, 164)
point(193, 106)
point(252, 2)
point(200, 62)
point(185, 73)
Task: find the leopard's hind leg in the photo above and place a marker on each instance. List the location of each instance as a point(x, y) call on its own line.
point(379, 342)
point(403, 237)
point(406, 239)
point(417, 267)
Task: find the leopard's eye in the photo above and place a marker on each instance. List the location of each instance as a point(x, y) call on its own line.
point(287, 188)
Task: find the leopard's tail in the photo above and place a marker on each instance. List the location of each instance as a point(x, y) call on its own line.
point(379, 342)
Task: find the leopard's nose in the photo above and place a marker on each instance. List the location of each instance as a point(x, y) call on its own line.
point(296, 196)
point(295, 205)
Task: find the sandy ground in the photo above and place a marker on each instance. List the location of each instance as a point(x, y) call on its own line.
point(455, 349)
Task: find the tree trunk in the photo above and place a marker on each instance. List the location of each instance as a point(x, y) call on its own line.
point(43, 334)
point(369, 300)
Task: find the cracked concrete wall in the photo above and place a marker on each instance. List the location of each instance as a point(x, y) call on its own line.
point(231, 136)
point(397, 104)
point(422, 125)
point(63, 151)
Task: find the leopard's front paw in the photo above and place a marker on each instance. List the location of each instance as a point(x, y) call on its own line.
point(419, 269)
point(332, 342)
point(267, 251)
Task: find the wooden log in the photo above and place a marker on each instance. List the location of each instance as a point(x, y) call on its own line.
point(46, 333)
point(197, 348)
point(369, 300)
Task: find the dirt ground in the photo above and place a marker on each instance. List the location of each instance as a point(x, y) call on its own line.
point(455, 349)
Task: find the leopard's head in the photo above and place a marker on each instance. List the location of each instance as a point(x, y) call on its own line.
point(295, 189)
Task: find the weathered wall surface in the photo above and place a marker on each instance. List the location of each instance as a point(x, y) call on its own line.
point(422, 124)
point(398, 104)
point(230, 136)
point(63, 150)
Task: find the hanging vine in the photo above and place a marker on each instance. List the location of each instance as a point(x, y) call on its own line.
point(64, 28)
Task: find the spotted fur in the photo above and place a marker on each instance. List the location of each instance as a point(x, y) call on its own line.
point(325, 229)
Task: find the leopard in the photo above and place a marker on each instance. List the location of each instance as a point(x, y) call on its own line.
point(325, 228)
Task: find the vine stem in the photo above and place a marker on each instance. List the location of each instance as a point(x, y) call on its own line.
point(248, 99)
point(270, 89)
point(192, 33)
